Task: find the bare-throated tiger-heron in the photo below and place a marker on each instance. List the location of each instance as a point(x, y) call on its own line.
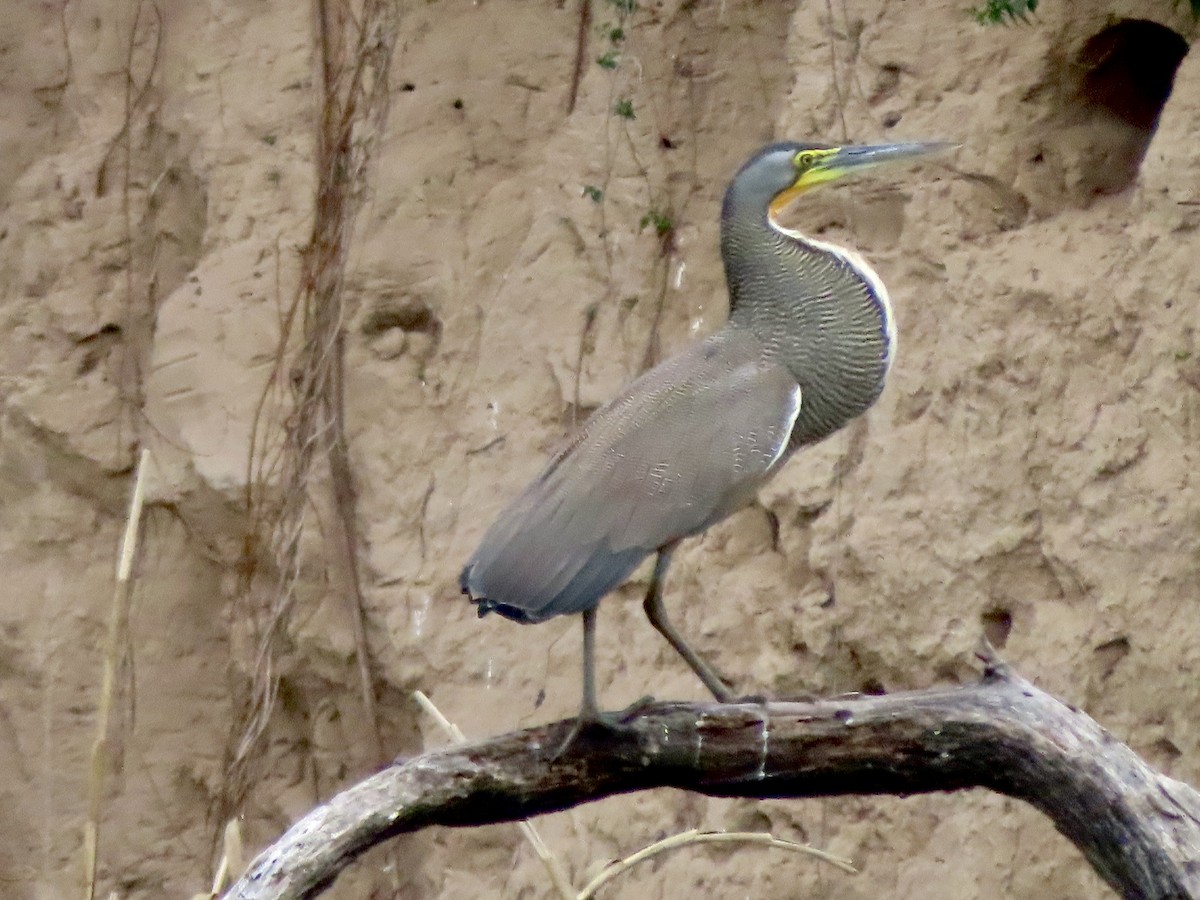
point(807, 348)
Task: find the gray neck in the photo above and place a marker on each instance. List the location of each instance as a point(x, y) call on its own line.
point(817, 309)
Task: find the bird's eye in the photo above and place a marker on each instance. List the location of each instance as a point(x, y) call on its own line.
point(805, 160)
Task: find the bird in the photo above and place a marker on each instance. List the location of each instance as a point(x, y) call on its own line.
point(807, 348)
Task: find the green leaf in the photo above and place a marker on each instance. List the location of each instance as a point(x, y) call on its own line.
point(660, 220)
point(1004, 12)
point(624, 109)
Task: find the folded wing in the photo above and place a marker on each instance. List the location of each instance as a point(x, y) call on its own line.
point(684, 446)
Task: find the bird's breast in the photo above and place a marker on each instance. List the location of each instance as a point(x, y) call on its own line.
point(823, 312)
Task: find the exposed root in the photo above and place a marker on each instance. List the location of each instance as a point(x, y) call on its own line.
point(311, 455)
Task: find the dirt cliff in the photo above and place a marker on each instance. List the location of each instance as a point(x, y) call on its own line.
point(1029, 471)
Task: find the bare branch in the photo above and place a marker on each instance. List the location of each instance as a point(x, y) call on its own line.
point(1140, 830)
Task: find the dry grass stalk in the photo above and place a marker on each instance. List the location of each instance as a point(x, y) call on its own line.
point(557, 874)
point(690, 838)
point(118, 630)
point(232, 862)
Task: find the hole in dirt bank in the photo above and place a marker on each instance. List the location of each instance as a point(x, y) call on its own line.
point(1129, 69)
point(1096, 106)
point(872, 687)
point(406, 314)
point(1166, 750)
point(997, 625)
point(1110, 653)
point(396, 326)
point(1126, 74)
point(96, 347)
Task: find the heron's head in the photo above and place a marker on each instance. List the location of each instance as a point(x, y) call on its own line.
point(786, 170)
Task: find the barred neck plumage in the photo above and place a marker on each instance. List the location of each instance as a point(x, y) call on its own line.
point(819, 309)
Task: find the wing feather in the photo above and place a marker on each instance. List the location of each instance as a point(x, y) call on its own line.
point(682, 447)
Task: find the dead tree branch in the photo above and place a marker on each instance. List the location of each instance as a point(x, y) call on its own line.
point(1139, 829)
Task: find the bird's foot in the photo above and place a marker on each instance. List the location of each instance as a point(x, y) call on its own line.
point(597, 725)
point(581, 728)
point(634, 709)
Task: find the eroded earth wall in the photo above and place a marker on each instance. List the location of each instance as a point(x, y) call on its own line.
point(1029, 471)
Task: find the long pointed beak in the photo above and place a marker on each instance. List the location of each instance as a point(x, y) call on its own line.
point(841, 161)
point(855, 159)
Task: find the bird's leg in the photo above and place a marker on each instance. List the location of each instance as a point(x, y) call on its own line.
point(589, 709)
point(657, 614)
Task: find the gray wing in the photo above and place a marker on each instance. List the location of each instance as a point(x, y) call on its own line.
point(684, 446)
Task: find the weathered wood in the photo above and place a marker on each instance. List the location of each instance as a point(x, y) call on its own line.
point(1139, 829)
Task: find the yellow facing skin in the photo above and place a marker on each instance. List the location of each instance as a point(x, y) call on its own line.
point(813, 167)
point(816, 167)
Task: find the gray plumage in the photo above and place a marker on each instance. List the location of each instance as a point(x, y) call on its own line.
point(806, 349)
point(628, 483)
point(819, 310)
